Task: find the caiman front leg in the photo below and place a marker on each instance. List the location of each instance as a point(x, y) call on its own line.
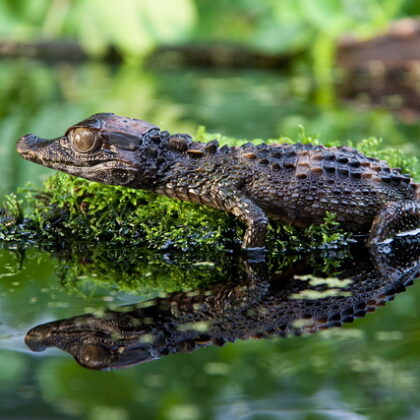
point(249, 213)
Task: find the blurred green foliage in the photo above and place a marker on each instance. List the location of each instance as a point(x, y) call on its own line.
point(131, 26)
point(136, 26)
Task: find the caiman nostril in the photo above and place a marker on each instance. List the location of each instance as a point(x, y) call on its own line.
point(35, 340)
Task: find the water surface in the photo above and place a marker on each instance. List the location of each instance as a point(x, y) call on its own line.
point(366, 369)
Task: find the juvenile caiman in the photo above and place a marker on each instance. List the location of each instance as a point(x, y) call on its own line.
point(294, 183)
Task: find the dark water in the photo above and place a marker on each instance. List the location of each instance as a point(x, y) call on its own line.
point(367, 369)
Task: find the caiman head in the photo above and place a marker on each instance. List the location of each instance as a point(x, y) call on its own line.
point(103, 148)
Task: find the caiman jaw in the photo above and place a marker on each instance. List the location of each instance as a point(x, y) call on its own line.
point(53, 153)
point(49, 153)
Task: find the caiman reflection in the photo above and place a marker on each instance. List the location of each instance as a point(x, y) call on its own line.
point(257, 301)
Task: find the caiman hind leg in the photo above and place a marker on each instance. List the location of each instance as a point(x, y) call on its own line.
point(395, 218)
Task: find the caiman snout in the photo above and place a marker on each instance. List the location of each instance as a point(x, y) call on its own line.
point(27, 143)
point(35, 340)
point(33, 148)
point(28, 146)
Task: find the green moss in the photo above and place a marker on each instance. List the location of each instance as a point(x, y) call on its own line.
point(92, 212)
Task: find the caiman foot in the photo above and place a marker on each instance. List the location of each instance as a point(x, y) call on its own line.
point(396, 219)
point(249, 213)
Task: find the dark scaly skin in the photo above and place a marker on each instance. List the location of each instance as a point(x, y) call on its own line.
point(252, 303)
point(295, 184)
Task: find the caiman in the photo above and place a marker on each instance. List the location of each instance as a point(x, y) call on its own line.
point(294, 183)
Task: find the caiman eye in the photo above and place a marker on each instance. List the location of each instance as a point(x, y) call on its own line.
point(92, 356)
point(84, 140)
